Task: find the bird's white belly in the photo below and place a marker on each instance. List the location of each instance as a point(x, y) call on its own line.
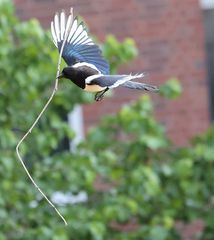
point(93, 88)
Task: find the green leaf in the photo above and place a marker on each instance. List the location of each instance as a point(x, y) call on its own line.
point(158, 233)
point(171, 89)
point(97, 230)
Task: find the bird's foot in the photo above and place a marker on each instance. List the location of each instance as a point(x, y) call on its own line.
point(98, 97)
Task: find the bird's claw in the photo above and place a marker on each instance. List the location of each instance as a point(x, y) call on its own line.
point(98, 97)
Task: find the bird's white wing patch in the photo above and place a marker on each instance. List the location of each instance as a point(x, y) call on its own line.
point(53, 34)
point(73, 29)
point(89, 79)
point(79, 47)
point(77, 34)
point(56, 25)
point(59, 26)
point(80, 64)
point(62, 25)
point(68, 24)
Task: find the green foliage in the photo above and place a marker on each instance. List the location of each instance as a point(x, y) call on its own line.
point(117, 52)
point(171, 89)
point(28, 63)
point(137, 184)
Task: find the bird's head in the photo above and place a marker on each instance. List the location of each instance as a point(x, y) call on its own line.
point(67, 72)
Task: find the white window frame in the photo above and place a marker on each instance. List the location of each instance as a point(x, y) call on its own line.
point(207, 4)
point(75, 120)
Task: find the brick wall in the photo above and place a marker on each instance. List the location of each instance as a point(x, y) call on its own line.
point(169, 35)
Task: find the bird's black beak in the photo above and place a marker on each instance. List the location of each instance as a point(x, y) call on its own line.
point(61, 75)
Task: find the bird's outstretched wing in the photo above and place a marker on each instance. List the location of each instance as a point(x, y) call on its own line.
point(79, 47)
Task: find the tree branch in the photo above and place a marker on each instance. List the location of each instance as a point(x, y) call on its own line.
point(37, 119)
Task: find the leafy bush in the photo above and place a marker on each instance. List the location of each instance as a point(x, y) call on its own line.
point(136, 184)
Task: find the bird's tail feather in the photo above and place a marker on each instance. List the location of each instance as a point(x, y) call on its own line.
point(119, 80)
point(140, 86)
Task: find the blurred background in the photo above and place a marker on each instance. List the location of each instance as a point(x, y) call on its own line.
point(171, 43)
point(133, 166)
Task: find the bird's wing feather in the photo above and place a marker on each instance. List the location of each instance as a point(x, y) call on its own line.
point(79, 47)
point(111, 81)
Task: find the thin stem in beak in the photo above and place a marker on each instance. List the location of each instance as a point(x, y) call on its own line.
point(61, 75)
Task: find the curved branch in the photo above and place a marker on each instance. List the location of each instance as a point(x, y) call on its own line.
point(35, 122)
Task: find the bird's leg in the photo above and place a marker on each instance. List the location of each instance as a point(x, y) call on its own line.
point(99, 95)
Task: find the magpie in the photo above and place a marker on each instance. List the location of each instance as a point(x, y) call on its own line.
point(86, 66)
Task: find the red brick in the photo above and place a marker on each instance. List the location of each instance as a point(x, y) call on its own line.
point(169, 35)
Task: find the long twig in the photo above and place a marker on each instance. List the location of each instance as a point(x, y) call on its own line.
point(37, 119)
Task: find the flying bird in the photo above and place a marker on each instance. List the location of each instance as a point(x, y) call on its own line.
point(86, 66)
